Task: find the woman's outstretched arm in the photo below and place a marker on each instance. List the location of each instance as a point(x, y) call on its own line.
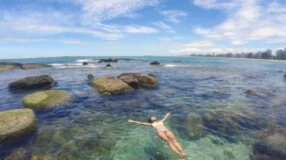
point(137, 122)
point(166, 116)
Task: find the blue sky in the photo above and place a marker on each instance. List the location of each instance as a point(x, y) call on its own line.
point(45, 28)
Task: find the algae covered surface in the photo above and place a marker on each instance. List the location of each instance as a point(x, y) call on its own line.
point(45, 99)
point(16, 123)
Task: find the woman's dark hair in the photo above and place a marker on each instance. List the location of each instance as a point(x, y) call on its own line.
point(150, 121)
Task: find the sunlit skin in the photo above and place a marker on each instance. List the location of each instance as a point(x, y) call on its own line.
point(164, 133)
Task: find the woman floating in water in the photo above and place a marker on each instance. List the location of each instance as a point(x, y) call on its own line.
point(164, 133)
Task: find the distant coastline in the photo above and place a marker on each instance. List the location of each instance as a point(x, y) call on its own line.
point(265, 55)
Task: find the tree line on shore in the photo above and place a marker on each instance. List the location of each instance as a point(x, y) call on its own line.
point(267, 54)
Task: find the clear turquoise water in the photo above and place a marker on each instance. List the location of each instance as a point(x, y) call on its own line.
point(92, 126)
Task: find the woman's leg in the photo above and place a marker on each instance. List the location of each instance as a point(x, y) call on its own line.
point(172, 138)
point(170, 144)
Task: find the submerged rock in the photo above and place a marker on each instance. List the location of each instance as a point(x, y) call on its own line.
point(90, 77)
point(111, 86)
point(144, 80)
point(194, 126)
point(46, 99)
point(229, 122)
point(272, 143)
point(15, 123)
point(155, 63)
point(263, 157)
point(33, 82)
point(252, 92)
point(18, 154)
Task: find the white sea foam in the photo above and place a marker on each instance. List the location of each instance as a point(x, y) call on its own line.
point(83, 60)
point(73, 65)
point(175, 65)
point(171, 65)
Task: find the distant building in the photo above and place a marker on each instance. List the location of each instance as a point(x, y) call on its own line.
point(281, 54)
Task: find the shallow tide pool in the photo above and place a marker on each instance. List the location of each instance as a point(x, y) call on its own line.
point(212, 115)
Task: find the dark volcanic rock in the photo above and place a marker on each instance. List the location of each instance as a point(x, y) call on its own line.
point(138, 79)
point(85, 63)
point(108, 65)
point(34, 82)
point(155, 63)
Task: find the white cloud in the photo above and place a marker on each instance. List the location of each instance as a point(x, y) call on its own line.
point(40, 40)
point(250, 21)
point(203, 43)
point(174, 16)
point(221, 50)
point(276, 7)
point(139, 29)
point(172, 38)
point(216, 4)
point(25, 25)
point(164, 26)
point(101, 10)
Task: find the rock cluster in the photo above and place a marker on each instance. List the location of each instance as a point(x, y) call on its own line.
point(124, 83)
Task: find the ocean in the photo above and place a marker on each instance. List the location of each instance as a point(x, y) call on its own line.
point(212, 114)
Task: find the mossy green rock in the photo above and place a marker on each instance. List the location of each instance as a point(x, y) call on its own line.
point(45, 99)
point(15, 123)
point(111, 86)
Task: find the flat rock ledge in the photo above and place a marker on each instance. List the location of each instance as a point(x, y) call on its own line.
point(8, 66)
point(33, 82)
point(46, 99)
point(111, 86)
point(16, 123)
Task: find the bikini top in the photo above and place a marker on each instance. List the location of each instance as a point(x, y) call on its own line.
point(154, 124)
